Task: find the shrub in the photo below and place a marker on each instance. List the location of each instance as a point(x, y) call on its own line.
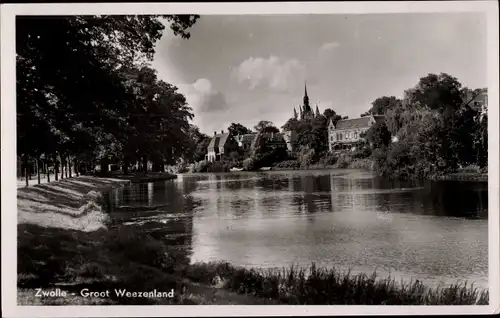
point(362, 164)
point(306, 156)
point(328, 159)
point(343, 161)
point(288, 164)
point(219, 166)
point(201, 166)
point(361, 153)
point(249, 164)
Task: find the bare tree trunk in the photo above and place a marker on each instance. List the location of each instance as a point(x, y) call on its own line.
point(38, 169)
point(26, 169)
point(75, 164)
point(62, 166)
point(56, 168)
point(48, 174)
point(69, 167)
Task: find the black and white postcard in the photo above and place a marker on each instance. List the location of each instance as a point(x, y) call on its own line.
point(188, 157)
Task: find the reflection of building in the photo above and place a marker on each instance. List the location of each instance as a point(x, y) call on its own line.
point(220, 146)
point(346, 132)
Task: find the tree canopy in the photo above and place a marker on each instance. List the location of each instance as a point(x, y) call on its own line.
point(84, 83)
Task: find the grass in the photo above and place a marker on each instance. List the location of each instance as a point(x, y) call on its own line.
point(328, 286)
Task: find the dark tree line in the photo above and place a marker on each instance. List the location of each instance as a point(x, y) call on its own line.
point(85, 92)
point(437, 129)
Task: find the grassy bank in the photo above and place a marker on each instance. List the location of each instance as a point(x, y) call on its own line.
point(69, 255)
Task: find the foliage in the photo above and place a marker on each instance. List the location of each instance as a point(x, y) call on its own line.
point(436, 132)
point(306, 156)
point(288, 164)
point(238, 129)
point(381, 105)
point(219, 166)
point(328, 159)
point(84, 89)
point(378, 135)
point(331, 114)
point(263, 124)
point(249, 164)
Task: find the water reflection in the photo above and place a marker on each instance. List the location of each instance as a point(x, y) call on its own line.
point(435, 231)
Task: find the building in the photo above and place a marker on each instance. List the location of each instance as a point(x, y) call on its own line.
point(220, 146)
point(245, 141)
point(345, 133)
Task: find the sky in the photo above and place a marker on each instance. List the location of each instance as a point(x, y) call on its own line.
point(247, 68)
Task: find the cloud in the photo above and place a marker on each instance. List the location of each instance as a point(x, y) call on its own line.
point(274, 73)
point(202, 97)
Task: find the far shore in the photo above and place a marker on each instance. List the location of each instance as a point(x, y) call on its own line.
point(456, 176)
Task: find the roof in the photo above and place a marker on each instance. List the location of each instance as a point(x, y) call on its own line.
point(362, 122)
point(219, 140)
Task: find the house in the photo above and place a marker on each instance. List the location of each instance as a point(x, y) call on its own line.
point(245, 141)
point(345, 133)
point(220, 146)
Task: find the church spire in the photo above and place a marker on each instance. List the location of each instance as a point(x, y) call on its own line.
point(307, 108)
point(317, 111)
point(294, 113)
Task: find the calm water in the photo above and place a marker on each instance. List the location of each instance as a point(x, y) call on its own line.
point(433, 231)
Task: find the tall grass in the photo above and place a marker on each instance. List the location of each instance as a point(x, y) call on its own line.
point(329, 286)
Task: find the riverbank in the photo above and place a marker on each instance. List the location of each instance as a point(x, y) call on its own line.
point(64, 256)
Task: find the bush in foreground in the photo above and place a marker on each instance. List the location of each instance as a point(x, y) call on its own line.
point(314, 286)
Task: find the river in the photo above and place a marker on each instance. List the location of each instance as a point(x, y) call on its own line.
point(434, 231)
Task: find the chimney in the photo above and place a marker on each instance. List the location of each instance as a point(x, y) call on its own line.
point(222, 131)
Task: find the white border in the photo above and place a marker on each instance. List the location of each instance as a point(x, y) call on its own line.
point(8, 147)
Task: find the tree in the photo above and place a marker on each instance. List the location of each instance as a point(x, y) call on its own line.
point(438, 92)
point(270, 130)
point(70, 69)
point(331, 114)
point(381, 105)
point(263, 124)
point(378, 135)
point(238, 129)
point(291, 124)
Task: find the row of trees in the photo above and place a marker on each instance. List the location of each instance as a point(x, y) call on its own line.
point(85, 92)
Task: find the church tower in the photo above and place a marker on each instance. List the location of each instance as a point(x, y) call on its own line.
point(307, 110)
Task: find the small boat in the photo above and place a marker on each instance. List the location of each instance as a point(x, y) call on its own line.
point(265, 168)
point(235, 169)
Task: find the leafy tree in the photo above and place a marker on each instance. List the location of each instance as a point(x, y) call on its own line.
point(438, 92)
point(263, 124)
point(378, 135)
point(331, 114)
point(238, 129)
point(70, 69)
point(381, 105)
